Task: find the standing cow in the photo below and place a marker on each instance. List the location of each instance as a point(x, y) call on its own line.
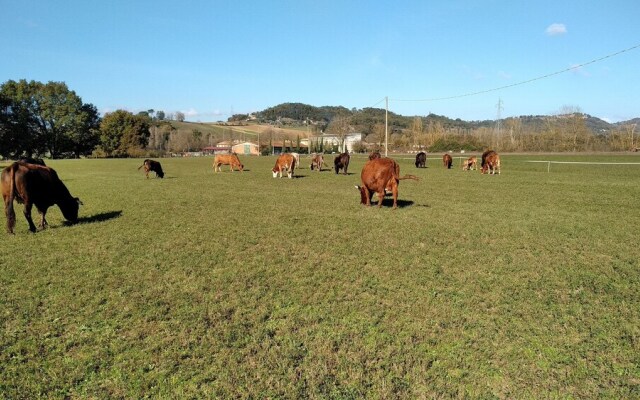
point(151, 165)
point(374, 154)
point(470, 164)
point(33, 184)
point(341, 162)
point(284, 162)
point(447, 161)
point(317, 161)
point(421, 160)
point(231, 160)
point(378, 175)
point(491, 163)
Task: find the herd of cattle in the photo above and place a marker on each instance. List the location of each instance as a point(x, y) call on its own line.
point(30, 182)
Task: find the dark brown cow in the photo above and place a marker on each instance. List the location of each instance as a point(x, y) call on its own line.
point(421, 160)
point(447, 161)
point(341, 162)
point(374, 155)
point(284, 162)
point(317, 161)
point(377, 175)
point(150, 165)
point(29, 160)
point(483, 161)
point(492, 164)
point(37, 185)
point(231, 160)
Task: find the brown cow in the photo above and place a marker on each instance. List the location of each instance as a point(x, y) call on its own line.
point(342, 162)
point(37, 185)
point(484, 159)
point(447, 161)
point(374, 154)
point(317, 161)
point(150, 165)
point(285, 162)
point(231, 160)
point(470, 164)
point(378, 175)
point(491, 164)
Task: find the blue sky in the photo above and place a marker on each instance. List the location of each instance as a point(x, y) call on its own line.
point(212, 58)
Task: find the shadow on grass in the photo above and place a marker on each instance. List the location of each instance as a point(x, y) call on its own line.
point(388, 202)
point(97, 218)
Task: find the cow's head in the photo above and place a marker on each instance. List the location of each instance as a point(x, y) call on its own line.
point(70, 208)
point(275, 172)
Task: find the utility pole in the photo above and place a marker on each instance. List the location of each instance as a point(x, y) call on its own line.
point(386, 125)
point(498, 120)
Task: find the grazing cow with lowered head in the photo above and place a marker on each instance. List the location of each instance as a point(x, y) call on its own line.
point(421, 160)
point(470, 164)
point(374, 154)
point(447, 161)
point(231, 160)
point(150, 165)
point(483, 160)
point(378, 175)
point(284, 162)
point(33, 184)
point(491, 164)
point(317, 161)
point(341, 162)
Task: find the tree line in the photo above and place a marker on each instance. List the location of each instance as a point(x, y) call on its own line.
point(50, 120)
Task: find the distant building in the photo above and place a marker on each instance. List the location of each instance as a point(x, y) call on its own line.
point(211, 150)
point(345, 143)
point(246, 148)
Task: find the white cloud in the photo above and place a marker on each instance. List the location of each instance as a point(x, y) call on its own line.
point(556, 29)
point(190, 113)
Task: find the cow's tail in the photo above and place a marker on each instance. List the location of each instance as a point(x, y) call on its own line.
point(11, 214)
point(415, 178)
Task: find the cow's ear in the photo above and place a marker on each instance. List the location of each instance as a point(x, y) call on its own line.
point(80, 203)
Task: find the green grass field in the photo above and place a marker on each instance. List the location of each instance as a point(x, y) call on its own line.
point(238, 285)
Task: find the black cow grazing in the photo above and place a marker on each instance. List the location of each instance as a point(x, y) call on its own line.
point(341, 162)
point(37, 185)
point(150, 165)
point(29, 160)
point(421, 160)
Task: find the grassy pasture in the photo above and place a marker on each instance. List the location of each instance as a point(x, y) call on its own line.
point(238, 285)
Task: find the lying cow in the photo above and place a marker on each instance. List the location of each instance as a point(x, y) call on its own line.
point(447, 161)
point(341, 162)
point(421, 160)
point(231, 160)
point(491, 164)
point(317, 161)
point(150, 165)
point(284, 162)
point(33, 184)
point(470, 164)
point(378, 175)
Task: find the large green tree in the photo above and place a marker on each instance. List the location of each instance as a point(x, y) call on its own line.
point(46, 119)
point(122, 133)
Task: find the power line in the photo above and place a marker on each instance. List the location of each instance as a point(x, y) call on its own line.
point(524, 82)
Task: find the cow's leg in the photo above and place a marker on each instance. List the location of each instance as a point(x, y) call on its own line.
point(27, 215)
point(395, 196)
point(380, 198)
point(43, 219)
